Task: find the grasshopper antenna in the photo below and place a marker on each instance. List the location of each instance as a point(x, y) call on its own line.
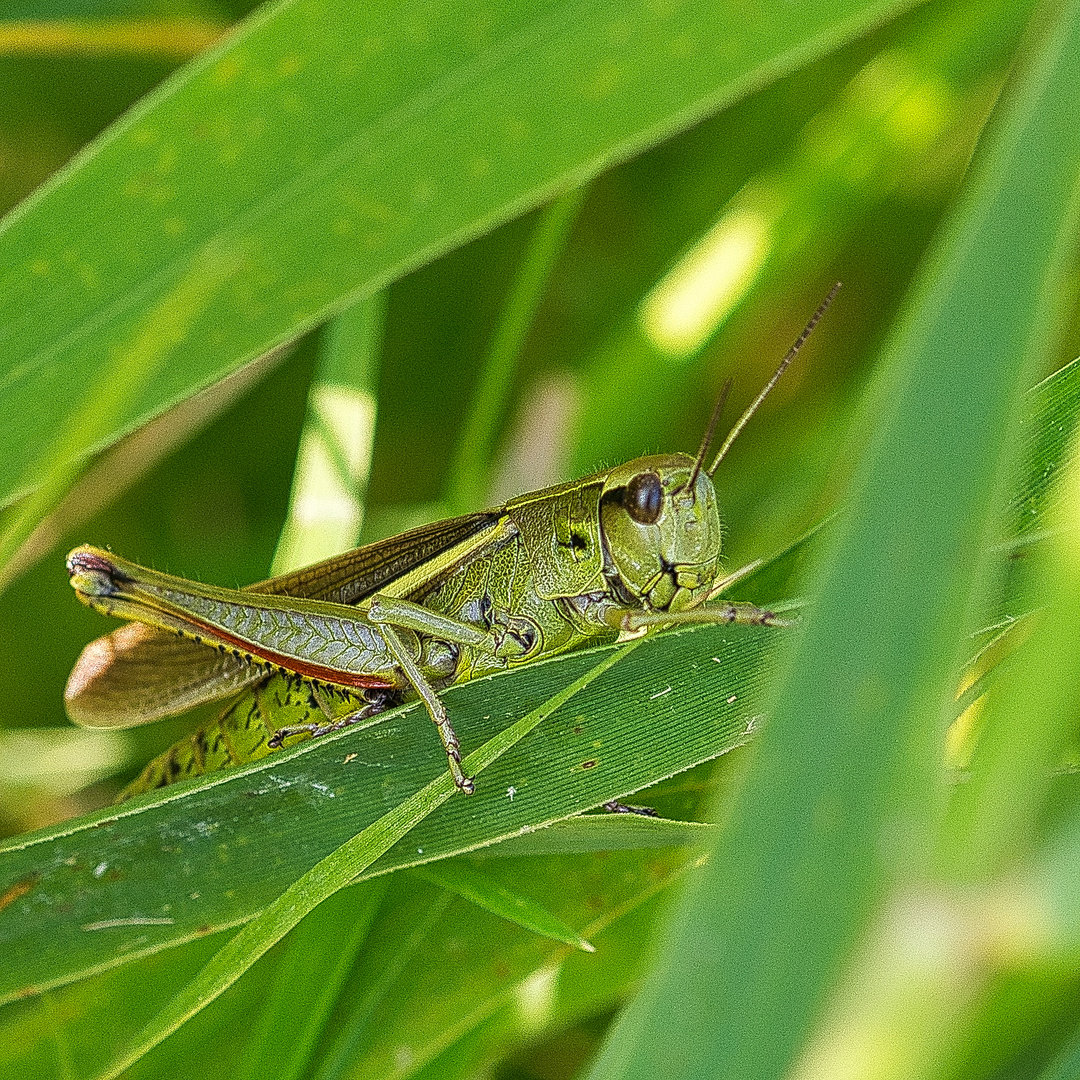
point(784, 365)
point(707, 438)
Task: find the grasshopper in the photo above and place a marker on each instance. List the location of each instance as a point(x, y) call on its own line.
point(622, 550)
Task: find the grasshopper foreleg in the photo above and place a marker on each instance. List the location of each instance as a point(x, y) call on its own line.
point(435, 707)
point(728, 612)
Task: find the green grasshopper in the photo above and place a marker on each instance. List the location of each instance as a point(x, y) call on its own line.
point(619, 551)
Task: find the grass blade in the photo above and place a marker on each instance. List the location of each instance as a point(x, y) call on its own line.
point(768, 927)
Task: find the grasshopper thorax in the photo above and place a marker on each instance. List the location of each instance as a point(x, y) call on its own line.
point(662, 537)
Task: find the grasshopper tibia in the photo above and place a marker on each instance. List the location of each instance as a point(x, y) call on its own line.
point(436, 709)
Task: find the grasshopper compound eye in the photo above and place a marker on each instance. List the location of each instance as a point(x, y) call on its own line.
point(663, 542)
point(644, 498)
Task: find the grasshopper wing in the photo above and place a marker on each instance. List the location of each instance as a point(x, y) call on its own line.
point(138, 674)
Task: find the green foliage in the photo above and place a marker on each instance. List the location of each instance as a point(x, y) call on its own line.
point(379, 166)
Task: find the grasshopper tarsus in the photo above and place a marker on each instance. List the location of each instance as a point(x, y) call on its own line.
point(613, 806)
point(751, 615)
point(729, 612)
point(452, 747)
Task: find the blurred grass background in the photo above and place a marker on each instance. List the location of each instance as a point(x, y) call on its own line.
point(839, 169)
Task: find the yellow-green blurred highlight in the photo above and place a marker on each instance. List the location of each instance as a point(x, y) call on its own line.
point(60, 761)
point(963, 735)
point(332, 468)
point(326, 505)
point(694, 298)
point(896, 124)
point(169, 38)
point(44, 771)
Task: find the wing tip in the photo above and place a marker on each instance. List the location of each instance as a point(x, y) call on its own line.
point(84, 694)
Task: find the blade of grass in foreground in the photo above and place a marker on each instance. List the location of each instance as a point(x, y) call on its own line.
point(847, 770)
point(332, 874)
point(322, 150)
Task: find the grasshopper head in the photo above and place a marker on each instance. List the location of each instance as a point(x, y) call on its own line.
point(662, 537)
point(658, 515)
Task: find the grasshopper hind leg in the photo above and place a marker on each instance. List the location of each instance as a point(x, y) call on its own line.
point(377, 701)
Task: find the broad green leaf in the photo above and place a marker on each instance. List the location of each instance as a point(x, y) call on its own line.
point(160, 870)
point(319, 152)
